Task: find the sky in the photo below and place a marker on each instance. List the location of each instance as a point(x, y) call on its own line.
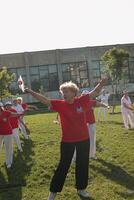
point(36, 25)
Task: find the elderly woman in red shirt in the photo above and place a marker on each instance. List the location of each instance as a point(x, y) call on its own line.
point(6, 133)
point(72, 111)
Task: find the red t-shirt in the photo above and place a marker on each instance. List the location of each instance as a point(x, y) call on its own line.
point(5, 127)
point(90, 113)
point(13, 120)
point(24, 106)
point(73, 118)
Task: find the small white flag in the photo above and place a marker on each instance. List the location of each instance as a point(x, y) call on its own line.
point(21, 83)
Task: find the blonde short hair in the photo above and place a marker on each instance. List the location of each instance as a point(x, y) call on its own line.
point(70, 85)
point(19, 98)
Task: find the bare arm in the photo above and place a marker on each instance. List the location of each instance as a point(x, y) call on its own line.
point(98, 88)
point(39, 97)
point(99, 104)
point(128, 107)
point(12, 114)
point(31, 107)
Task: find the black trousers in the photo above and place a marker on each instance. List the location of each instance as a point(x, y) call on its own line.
point(82, 164)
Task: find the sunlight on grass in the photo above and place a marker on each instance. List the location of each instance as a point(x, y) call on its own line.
point(111, 175)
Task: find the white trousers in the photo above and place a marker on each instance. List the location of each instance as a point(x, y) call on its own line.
point(92, 136)
point(103, 111)
point(7, 139)
point(16, 137)
point(23, 129)
point(128, 118)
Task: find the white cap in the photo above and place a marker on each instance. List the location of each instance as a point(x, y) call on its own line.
point(8, 103)
point(85, 92)
point(19, 98)
point(1, 104)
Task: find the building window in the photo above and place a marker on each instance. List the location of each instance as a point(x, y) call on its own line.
point(96, 71)
point(34, 70)
point(44, 77)
point(76, 72)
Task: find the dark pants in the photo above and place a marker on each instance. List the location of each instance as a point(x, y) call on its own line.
point(82, 164)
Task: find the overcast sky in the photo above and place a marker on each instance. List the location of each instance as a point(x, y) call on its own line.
point(34, 25)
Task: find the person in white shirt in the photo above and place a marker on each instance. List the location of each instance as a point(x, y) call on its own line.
point(103, 110)
point(126, 110)
point(20, 110)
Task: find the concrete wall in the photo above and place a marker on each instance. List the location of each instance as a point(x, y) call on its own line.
point(58, 57)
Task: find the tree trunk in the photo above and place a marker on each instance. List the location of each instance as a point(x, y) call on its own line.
point(113, 99)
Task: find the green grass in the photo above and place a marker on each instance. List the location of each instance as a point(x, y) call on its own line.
point(111, 176)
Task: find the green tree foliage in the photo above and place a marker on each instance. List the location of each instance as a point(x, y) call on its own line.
point(6, 77)
point(114, 62)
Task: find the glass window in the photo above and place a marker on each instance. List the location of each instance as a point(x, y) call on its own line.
point(77, 72)
point(83, 74)
point(53, 81)
point(75, 79)
point(52, 69)
point(96, 73)
point(34, 77)
point(45, 77)
point(83, 66)
point(43, 67)
point(45, 85)
point(35, 83)
point(21, 71)
point(95, 64)
point(65, 67)
point(34, 70)
point(44, 74)
point(66, 76)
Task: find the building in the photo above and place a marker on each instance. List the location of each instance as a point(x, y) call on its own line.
point(46, 70)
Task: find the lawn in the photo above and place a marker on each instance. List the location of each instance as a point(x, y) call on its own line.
point(111, 175)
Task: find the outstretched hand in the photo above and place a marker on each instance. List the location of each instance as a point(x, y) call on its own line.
point(104, 80)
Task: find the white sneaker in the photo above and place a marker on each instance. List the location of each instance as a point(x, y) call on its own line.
point(9, 166)
point(83, 193)
point(93, 158)
point(52, 196)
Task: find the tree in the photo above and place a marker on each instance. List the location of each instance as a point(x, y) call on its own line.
point(114, 62)
point(6, 77)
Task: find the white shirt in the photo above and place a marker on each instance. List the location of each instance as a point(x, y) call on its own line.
point(126, 101)
point(18, 108)
point(104, 98)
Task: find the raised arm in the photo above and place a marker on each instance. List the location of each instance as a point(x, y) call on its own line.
point(98, 88)
point(12, 114)
point(39, 97)
point(99, 104)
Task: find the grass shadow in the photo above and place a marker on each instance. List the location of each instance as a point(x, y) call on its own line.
point(11, 189)
point(126, 195)
point(115, 113)
point(86, 198)
point(115, 122)
point(115, 173)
